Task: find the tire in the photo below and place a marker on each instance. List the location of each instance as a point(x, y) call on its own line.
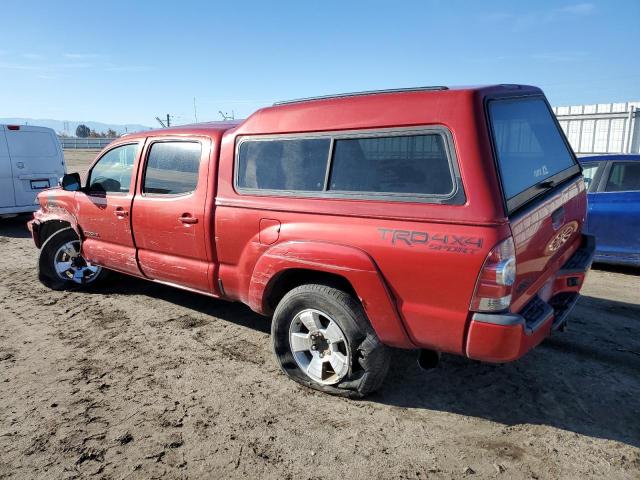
point(352, 367)
point(51, 254)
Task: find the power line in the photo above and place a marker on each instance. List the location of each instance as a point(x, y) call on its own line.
point(226, 116)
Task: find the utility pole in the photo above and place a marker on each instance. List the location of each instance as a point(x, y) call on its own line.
point(166, 123)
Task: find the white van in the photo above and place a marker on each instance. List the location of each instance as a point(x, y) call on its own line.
point(31, 160)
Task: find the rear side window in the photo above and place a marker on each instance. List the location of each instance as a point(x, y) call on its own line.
point(172, 168)
point(529, 146)
point(290, 165)
point(112, 173)
point(25, 143)
point(403, 166)
point(412, 164)
point(624, 177)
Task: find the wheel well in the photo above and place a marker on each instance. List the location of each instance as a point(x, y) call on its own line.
point(292, 278)
point(49, 228)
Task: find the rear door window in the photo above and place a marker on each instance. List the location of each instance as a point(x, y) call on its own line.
point(172, 168)
point(25, 143)
point(529, 146)
point(624, 177)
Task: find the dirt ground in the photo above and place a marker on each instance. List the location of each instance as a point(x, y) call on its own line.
point(138, 380)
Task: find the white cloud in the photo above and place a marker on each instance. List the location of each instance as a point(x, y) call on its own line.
point(67, 61)
point(579, 9)
point(527, 20)
point(110, 67)
point(82, 56)
point(17, 66)
point(559, 57)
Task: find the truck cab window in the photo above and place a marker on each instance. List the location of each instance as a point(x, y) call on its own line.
point(172, 168)
point(112, 173)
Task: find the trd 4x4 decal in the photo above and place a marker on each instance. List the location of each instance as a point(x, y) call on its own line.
point(434, 241)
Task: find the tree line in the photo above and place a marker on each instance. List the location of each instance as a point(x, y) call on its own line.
point(85, 132)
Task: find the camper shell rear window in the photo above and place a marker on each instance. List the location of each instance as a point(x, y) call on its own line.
point(531, 151)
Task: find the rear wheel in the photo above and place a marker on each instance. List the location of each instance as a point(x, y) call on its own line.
point(322, 339)
point(61, 265)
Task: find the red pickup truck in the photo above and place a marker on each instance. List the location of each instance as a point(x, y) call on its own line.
point(437, 219)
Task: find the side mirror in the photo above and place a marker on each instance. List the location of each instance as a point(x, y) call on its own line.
point(71, 182)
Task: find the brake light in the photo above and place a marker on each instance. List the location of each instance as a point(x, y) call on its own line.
point(13, 127)
point(493, 288)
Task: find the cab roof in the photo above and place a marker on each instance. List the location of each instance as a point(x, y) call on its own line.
point(204, 128)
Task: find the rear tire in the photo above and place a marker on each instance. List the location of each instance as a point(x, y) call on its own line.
point(61, 266)
point(323, 340)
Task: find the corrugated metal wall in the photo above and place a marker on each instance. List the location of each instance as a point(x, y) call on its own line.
point(601, 128)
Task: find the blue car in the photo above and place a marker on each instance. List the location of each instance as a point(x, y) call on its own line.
point(613, 183)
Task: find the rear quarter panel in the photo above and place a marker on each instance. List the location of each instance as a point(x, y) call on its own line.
point(429, 268)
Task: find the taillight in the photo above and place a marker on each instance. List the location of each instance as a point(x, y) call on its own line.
point(493, 289)
point(13, 127)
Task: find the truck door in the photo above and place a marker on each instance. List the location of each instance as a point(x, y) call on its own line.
point(169, 212)
point(104, 209)
point(6, 175)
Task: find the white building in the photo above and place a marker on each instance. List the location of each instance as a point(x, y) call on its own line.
point(601, 128)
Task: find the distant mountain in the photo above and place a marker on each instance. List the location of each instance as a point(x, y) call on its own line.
point(69, 126)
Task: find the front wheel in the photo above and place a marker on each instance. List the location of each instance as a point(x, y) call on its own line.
point(322, 339)
point(61, 265)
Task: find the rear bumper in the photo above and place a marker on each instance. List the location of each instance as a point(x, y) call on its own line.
point(508, 336)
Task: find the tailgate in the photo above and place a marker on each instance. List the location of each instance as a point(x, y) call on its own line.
point(545, 235)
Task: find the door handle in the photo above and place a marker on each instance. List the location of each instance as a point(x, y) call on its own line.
point(188, 219)
point(120, 212)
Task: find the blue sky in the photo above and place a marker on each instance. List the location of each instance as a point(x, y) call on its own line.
point(126, 62)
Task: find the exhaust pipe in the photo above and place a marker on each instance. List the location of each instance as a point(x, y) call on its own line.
point(428, 359)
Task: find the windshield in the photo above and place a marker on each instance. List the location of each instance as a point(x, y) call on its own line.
point(529, 145)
